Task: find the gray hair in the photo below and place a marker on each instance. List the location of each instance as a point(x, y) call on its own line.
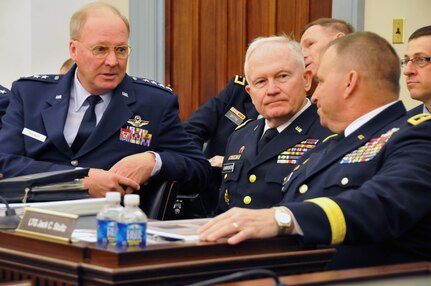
point(257, 43)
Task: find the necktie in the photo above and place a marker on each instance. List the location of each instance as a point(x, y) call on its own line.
point(87, 124)
point(267, 136)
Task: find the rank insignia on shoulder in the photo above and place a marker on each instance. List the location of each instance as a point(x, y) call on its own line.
point(151, 82)
point(44, 77)
point(239, 80)
point(137, 121)
point(243, 124)
point(419, 118)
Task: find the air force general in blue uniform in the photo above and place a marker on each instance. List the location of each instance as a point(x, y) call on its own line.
point(142, 116)
point(379, 173)
point(252, 180)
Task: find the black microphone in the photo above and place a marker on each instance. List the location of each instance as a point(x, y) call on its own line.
point(10, 220)
point(255, 273)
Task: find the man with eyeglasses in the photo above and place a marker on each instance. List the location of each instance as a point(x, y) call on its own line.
point(417, 68)
point(125, 129)
point(4, 101)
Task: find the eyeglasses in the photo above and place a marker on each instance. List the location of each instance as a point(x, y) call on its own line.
point(101, 52)
point(419, 61)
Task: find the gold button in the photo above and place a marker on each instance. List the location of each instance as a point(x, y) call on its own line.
point(247, 200)
point(225, 176)
point(303, 189)
point(344, 181)
point(74, 163)
point(252, 178)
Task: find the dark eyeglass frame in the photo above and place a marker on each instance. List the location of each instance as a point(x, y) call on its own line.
point(418, 61)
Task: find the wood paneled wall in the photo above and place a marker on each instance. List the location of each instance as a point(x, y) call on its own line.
point(206, 40)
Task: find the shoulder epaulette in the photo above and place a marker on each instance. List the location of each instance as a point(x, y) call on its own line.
point(151, 82)
point(419, 118)
point(239, 80)
point(329, 137)
point(243, 124)
point(43, 77)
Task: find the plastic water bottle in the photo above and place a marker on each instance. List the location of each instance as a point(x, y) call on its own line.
point(132, 223)
point(107, 218)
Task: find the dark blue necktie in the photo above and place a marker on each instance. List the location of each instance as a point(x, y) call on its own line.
point(267, 136)
point(87, 124)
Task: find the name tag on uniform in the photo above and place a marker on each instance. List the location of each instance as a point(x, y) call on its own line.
point(235, 116)
point(34, 135)
point(228, 168)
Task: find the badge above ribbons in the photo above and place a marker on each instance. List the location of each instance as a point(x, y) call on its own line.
point(134, 134)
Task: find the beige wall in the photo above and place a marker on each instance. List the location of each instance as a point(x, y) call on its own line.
point(378, 18)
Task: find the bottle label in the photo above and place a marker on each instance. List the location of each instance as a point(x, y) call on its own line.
point(131, 234)
point(106, 231)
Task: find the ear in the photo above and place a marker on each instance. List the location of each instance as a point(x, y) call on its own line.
point(72, 50)
point(308, 79)
point(352, 80)
point(339, 35)
point(247, 89)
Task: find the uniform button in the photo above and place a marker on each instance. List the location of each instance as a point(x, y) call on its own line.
point(247, 200)
point(225, 176)
point(252, 178)
point(74, 163)
point(303, 189)
point(344, 181)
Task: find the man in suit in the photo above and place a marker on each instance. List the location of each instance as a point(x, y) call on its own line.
point(367, 190)
point(255, 165)
point(125, 129)
point(4, 101)
point(417, 68)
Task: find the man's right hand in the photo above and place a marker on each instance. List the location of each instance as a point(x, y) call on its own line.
point(99, 182)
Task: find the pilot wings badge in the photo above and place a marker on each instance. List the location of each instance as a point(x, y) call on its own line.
point(137, 121)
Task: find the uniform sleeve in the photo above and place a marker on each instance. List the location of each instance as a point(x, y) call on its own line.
point(203, 123)
point(182, 159)
point(4, 101)
point(390, 204)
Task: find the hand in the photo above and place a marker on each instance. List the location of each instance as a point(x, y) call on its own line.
point(137, 167)
point(216, 161)
point(99, 182)
point(240, 224)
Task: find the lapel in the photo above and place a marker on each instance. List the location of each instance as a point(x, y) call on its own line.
point(251, 139)
point(357, 138)
point(115, 116)
point(54, 116)
point(296, 132)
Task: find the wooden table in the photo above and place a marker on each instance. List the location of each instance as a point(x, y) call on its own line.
point(53, 263)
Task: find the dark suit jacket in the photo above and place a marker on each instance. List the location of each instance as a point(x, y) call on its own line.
point(4, 101)
point(210, 123)
point(253, 180)
point(39, 105)
point(416, 110)
point(371, 192)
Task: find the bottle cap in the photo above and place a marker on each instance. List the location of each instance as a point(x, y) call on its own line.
point(113, 197)
point(131, 199)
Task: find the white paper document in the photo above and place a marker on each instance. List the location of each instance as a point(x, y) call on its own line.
point(186, 230)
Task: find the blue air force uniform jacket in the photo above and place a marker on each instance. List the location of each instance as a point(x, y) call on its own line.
point(255, 181)
point(4, 101)
point(371, 192)
point(142, 116)
point(214, 121)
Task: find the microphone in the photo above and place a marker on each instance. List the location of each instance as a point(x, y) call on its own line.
point(255, 273)
point(10, 220)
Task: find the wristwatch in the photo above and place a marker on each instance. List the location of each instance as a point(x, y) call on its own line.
point(283, 219)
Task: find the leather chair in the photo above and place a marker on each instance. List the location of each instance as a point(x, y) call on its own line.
point(158, 199)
